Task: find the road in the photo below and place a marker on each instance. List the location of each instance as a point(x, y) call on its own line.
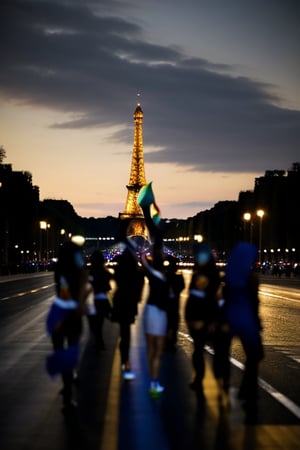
point(29, 408)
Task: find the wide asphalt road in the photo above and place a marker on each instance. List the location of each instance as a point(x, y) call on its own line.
point(116, 415)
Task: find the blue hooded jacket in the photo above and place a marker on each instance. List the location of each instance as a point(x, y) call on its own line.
point(241, 301)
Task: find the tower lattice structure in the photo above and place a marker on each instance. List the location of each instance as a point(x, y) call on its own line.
point(137, 180)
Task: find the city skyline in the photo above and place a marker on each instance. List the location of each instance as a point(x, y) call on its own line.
point(218, 87)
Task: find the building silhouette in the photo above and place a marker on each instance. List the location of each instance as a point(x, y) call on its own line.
point(19, 204)
point(277, 194)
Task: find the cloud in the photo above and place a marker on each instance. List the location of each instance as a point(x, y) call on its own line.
point(103, 209)
point(75, 58)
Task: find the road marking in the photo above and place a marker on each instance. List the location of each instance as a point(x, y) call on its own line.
point(31, 291)
point(20, 330)
point(281, 398)
point(268, 294)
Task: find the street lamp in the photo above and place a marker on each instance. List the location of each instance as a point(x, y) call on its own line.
point(198, 238)
point(180, 240)
point(47, 242)
point(43, 226)
point(79, 240)
point(260, 213)
point(286, 255)
point(247, 218)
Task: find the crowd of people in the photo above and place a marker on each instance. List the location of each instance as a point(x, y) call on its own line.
point(220, 306)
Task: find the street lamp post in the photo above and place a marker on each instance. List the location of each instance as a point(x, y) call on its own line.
point(78, 239)
point(198, 238)
point(47, 242)
point(43, 226)
point(247, 219)
point(260, 213)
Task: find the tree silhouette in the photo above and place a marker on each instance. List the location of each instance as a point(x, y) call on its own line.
point(2, 154)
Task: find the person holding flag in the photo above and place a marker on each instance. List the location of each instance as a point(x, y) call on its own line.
point(155, 313)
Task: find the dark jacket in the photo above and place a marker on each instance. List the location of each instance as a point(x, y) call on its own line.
point(100, 279)
point(241, 291)
point(158, 288)
point(130, 281)
point(202, 301)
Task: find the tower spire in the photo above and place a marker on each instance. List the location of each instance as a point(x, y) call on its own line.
point(137, 179)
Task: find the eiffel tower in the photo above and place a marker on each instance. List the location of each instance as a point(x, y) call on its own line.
point(137, 180)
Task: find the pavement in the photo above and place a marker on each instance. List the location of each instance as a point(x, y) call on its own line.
point(114, 414)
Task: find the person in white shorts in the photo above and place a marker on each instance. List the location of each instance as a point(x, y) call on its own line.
point(155, 314)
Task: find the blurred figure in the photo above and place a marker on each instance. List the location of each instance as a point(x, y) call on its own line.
point(221, 342)
point(99, 277)
point(155, 313)
point(64, 320)
point(129, 279)
point(201, 309)
point(242, 313)
point(175, 284)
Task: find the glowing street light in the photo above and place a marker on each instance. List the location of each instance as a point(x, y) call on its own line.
point(44, 226)
point(247, 218)
point(77, 239)
point(260, 213)
point(198, 238)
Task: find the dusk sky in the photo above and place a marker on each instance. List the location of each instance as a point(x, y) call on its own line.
point(218, 83)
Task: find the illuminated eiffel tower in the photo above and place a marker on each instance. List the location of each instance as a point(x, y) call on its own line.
point(137, 180)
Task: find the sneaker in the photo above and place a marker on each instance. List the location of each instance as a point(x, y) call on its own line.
point(155, 389)
point(127, 373)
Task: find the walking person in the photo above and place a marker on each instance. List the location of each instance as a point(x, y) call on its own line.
point(100, 278)
point(155, 313)
point(64, 320)
point(242, 313)
point(175, 283)
point(129, 278)
point(201, 309)
point(221, 343)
